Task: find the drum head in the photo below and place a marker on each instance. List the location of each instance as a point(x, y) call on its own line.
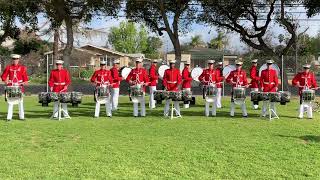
point(227, 70)
point(196, 72)
point(162, 69)
point(125, 72)
point(274, 66)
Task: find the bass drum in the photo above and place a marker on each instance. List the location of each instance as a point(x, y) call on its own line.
point(227, 70)
point(125, 72)
point(196, 72)
point(162, 69)
point(274, 66)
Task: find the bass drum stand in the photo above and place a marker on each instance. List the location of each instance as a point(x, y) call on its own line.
point(60, 111)
point(176, 111)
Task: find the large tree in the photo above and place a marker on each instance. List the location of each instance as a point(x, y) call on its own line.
point(219, 42)
point(74, 12)
point(23, 10)
point(253, 20)
point(312, 6)
point(171, 16)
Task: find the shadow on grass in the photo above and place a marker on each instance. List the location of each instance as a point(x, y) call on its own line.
point(306, 138)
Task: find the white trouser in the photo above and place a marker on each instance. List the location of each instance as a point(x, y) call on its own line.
point(218, 101)
point(167, 107)
point(265, 108)
point(108, 109)
point(214, 108)
point(243, 108)
point(56, 109)
point(255, 106)
point(309, 110)
point(152, 102)
point(136, 107)
point(115, 98)
point(10, 110)
point(188, 104)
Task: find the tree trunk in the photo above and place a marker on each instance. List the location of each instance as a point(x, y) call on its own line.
point(56, 37)
point(69, 46)
point(285, 75)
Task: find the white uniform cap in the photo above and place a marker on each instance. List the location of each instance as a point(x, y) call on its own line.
point(239, 62)
point(103, 62)
point(155, 61)
point(59, 62)
point(139, 60)
point(172, 61)
point(270, 61)
point(116, 61)
point(211, 61)
point(254, 60)
point(307, 66)
point(15, 56)
point(220, 63)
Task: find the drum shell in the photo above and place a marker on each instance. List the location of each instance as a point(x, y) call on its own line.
point(76, 97)
point(274, 96)
point(186, 95)
point(102, 92)
point(158, 95)
point(53, 96)
point(44, 97)
point(13, 91)
point(239, 93)
point(65, 97)
point(285, 97)
point(308, 95)
point(136, 91)
point(256, 96)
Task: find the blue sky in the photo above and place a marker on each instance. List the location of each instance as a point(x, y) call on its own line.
point(207, 32)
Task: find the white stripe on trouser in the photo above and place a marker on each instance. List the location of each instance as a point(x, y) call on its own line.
point(254, 90)
point(108, 109)
point(142, 102)
point(114, 97)
point(56, 109)
point(152, 102)
point(167, 107)
point(214, 108)
point(218, 101)
point(188, 104)
point(309, 110)
point(265, 108)
point(10, 110)
point(243, 108)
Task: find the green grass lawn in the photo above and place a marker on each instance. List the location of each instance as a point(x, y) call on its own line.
point(194, 147)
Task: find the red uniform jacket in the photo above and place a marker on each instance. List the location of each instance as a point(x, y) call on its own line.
point(254, 75)
point(153, 76)
point(304, 79)
point(138, 76)
point(59, 79)
point(116, 77)
point(220, 78)
point(17, 75)
point(269, 80)
point(172, 79)
point(238, 78)
point(187, 79)
point(209, 76)
point(102, 77)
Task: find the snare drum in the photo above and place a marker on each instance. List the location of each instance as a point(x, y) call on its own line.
point(13, 92)
point(65, 97)
point(210, 93)
point(136, 91)
point(256, 96)
point(274, 96)
point(102, 92)
point(239, 93)
point(186, 95)
point(308, 95)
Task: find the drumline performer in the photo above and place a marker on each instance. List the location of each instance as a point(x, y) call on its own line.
point(58, 82)
point(171, 81)
point(238, 78)
point(139, 76)
point(305, 80)
point(269, 83)
point(102, 78)
point(15, 75)
point(115, 90)
point(254, 85)
point(219, 85)
point(210, 77)
point(153, 76)
point(186, 81)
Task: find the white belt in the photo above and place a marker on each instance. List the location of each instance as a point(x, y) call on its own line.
point(18, 81)
point(172, 82)
point(59, 84)
point(268, 83)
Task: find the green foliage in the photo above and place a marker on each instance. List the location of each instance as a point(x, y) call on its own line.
point(86, 74)
point(127, 38)
point(153, 46)
point(4, 51)
point(194, 147)
point(196, 41)
point(219, 42)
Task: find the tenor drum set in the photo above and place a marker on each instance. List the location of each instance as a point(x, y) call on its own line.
point(74, 98)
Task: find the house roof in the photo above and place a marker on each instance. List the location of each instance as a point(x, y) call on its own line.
point(201, 53)
point(77, 49)
point(105, 49)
